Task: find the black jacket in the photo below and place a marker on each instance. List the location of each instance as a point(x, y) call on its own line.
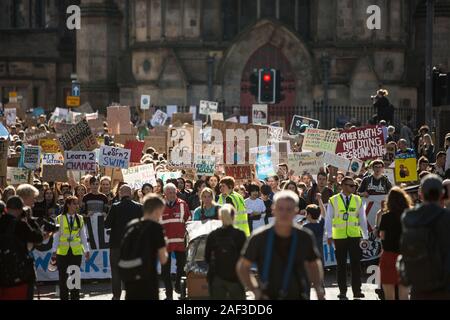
point(119, 216)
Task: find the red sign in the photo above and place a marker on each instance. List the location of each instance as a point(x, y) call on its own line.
point(239, 172)
point(136, 148)
point(363, 143)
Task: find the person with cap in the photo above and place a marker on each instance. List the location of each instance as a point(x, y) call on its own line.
point(69, 245)
point(425, 244)
point(345, 224)
point(120, 214)
point(17, 274)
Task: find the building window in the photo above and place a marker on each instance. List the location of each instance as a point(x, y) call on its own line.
point(39, 13)
point(248, 14)
point(303, 23)
point(230, 15)
point(268, 8)
point(287, 13)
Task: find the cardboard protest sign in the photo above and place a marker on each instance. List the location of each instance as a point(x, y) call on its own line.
point(305, 162)
point(216, 116)
point(208, 107)
point(157, 140)
point(136, 148)
point(20, 112)
point(205, 165)
point(180, 146)
point(281, 120)
point(405, 168)
point(166, 175)
point(60, 114)
point(96, 126)
point(239, 172)
point(54, 174)
point(299, 121)
point(113, 157)
point(32, 136)
point(265, 165)
point(123, 138)
point(355, 166)
point(336, 161)
point(138, 175)
point(145, 102)
point(159, 118)
point(30, 157)
point(80, 160)
point(179, 119)
point(275, 134)
point(389, 156)
point(13, 160)
point(320, 140)
point(17, 176)
point(363, 143)
point(49, 145)
point(85, 108)
point(10, 115)
point(119, 120)
point(3, 161)
point(78, 138)
point(52, 159)
point(190, 174)
point(114, 173)
point(260, 113)
point(91, 116)
point(61, 128)
point(233, 120)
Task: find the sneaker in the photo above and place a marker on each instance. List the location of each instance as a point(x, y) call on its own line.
point(359, 295)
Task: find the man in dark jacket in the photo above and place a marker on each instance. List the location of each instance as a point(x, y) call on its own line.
point(24, 233)
point(428, 215)
point(119, 216)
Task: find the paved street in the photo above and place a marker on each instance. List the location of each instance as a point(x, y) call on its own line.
point(101, 290)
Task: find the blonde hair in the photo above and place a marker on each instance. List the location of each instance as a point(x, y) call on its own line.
point(227, 213)
point(207, 190)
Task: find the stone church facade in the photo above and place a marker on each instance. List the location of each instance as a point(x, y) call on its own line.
point(183, 51)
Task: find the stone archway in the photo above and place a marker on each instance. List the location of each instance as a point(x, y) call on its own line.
point(267, 32)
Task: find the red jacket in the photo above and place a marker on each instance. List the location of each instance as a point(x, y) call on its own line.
point(174, 223)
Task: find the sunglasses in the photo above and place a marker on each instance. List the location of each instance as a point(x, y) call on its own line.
point(350, 185)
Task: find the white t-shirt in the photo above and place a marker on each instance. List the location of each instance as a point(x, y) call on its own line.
point(256, 206)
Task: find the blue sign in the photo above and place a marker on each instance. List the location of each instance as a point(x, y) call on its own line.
point(76, 89)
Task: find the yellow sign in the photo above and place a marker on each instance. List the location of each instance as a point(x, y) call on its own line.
point(49, 145)
point(13, 94)
point(405, 170)
point(73, 101)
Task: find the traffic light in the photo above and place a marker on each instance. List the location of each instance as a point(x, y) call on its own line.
point(441, 88)
point(267, 86)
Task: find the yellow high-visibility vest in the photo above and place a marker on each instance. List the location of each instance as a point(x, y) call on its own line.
point(345, 223)
point(241, 219)
point(70, 238)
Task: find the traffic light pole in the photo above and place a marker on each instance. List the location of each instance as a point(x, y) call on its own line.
point(428, 66)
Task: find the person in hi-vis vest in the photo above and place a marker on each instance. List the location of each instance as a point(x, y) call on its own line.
point(227, 195)
point(345, 224)
point(69, 244)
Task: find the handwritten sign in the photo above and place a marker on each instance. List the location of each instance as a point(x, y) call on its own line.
point(52, 159)
point(17, 176)
point(205, 165)
point(180, 146)
point(305, 162)
point(31, 156)
point(79, 138)
point(405, 168)
point(112, 157)
point(136, 148)
point(298, 122)
point(80, 160)
point(49, 145)
point(260, 113)
point(167, 175)
point(361, 143)
point(159, 118)
point(239, 172)
point(208, 107)
point(336, 161)
point(320, 140)
point(138, 175)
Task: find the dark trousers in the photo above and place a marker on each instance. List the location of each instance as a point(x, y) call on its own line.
point(220, 289)
point(63, 263)
point(141, 290)
point(114, 257)
point(165, 272)
point(344, 247)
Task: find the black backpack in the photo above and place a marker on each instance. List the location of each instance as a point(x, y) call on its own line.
point(224, 257)
point(134, 252)
point(16, 266)
point(421, 263)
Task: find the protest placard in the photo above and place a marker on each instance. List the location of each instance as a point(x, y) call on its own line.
point(260, 113)
point(113, 157)
point(61, 128)
point(281, 120)
point(136, 148)
point(363, 143)
point(85, 108)
point(305, 162)
point(157, 139)
point(3, 161)
point(145, 102)
point(243, 119)
point(96, 126)
point(92, 116)
point(123, 138)
point(299, 121)
point(180, 146)
point(390, 174)
point(138, 175)
point(239, 172)
point(4, 133)
point(30, 157)
point(275, 134)
point(119, 120)
point(336, 161)
point(16, 176)
point(20, 111)
point(205, 165)
point(233, 119)
point(405, 168)
point(52, 159)
point(320, 140)
point(54, 174)
point(78, 138)
point(170, 110)
point(49, 145)
point(10, 115)
point(389, 156)
point(159, 118)
point(32, 136)
point(166, 175)
point(180, 118)
point(59, 115)
point(265, 164)
point(208, 107)
point(216, 116)
point(80, 160)
point(355, 166)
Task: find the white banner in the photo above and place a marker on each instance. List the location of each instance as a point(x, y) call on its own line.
point(16, 176)
point(135, 177)
point(208, 107)
point(80, 160)
point(336, 161)
point(52, 159)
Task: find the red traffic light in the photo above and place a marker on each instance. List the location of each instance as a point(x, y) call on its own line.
point(267, 78)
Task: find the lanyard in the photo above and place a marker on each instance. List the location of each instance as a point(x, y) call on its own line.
point(268, 259)
point(345, 202)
